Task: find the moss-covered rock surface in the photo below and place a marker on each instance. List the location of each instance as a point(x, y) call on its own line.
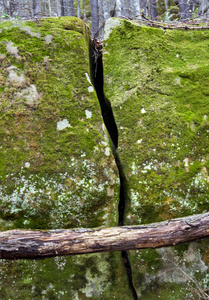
point(94, 276)
point(56, 166)
point(157, 82)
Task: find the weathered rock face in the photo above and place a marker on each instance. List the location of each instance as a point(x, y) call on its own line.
point(56, 166)
point(159, 95)
point(157, 82)
point(94, 276)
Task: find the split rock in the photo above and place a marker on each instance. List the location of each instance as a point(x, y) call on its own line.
point(157, 82)
point(56, 168)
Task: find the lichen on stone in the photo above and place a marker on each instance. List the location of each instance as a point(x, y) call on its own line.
point(157, 83)
point(49, 119)
point(56, 167)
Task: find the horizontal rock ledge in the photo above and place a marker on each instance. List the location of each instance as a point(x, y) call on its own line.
point(27, 244)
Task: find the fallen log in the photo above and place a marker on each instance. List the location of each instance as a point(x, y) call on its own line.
point(28, 244)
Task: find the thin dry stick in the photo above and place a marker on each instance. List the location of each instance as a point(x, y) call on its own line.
point(204, 295)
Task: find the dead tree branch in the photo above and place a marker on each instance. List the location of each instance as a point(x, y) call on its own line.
point(16, 244)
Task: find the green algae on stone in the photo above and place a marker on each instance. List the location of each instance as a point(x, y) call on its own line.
point(157, 83)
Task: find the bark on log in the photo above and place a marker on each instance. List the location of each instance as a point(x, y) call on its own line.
point(16, 244)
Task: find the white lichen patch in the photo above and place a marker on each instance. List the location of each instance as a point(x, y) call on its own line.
point(186, 164)
point(152, 165)
point(109, 25)
point(12, 49)
point(110, 192)
point(107, 151)
point(88, 78)
point(202, 179)
point(60, 262)
point(88, 114)
point(135, 199)
point(90, 89)
point(27, 164)
point(15, 76)
point(47, 60)
point(97, 283)
point(28, 30)
point(134, 168)
point(48, 39)
point(143, 111)
point(192, 126)
point(177, 80)
point(104, 143)
point(63, 124)
point(26, 92)
point(64, 195)
point(148, 167)
point(29, 95)
point(173, 270)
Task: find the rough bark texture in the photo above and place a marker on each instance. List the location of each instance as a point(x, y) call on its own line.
point(38, 244)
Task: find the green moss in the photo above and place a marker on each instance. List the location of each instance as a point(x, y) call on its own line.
point(78, 277)
point(45, 85)
point(167, 272)
point(54, 168)
point(157, 83)
point(162, 116)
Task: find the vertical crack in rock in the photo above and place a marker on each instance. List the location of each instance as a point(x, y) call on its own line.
point(108, 117)
point(97, 78)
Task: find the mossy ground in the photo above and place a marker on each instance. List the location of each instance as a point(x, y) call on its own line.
point(157, 82)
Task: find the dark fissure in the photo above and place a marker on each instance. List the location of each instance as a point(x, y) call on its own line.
point(97, 78)
point(109, 121)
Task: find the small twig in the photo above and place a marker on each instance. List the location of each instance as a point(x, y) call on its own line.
point(204, 295)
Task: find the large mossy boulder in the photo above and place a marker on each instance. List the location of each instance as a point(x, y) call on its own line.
point(56, 165)
point(157, 82)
